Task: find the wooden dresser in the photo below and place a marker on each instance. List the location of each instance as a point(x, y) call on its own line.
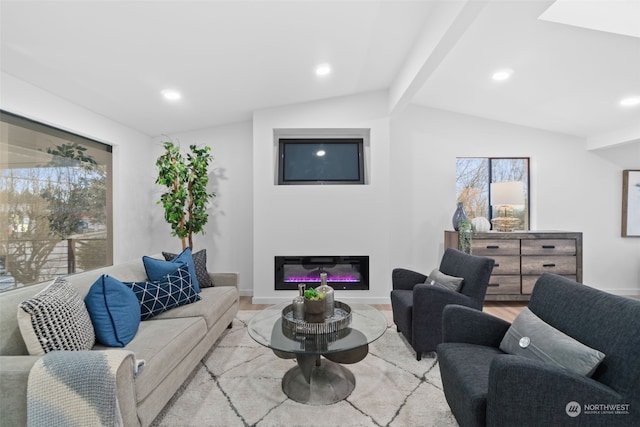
point(522, 256)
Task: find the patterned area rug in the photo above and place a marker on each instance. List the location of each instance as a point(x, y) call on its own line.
point(239, 384)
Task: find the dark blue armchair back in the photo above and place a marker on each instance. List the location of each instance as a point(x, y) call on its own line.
point(600, 320)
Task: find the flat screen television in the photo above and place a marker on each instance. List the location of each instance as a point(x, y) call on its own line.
point(320, 161)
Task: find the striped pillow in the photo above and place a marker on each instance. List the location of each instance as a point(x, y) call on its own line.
point(56, 318)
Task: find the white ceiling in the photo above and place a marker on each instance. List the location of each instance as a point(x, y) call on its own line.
point(230, 58)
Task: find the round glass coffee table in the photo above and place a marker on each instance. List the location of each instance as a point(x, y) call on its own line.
point(319, 377)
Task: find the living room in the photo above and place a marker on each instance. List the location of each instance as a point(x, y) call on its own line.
point(399, 217)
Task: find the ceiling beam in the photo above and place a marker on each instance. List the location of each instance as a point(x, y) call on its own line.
point(446, 24)
point(614, 138)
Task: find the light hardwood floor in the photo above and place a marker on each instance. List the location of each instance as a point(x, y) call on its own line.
point(507, 310)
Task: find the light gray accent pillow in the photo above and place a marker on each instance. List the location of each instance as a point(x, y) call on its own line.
point(437, 278)
point(531, 337)
point(56, 318)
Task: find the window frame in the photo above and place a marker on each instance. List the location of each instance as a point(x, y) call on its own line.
point(38, 137)
point(490, 180)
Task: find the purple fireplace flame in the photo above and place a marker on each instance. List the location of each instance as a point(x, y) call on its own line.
point(308, 279)
point(343, 272)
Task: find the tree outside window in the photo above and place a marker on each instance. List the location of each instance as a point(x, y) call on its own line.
point(474, 176)
point(54, 206)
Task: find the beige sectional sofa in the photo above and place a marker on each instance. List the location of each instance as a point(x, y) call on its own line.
point(171, 344)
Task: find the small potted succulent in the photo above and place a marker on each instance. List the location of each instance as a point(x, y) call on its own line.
point(314, 306)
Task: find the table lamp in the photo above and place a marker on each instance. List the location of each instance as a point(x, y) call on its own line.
point(503, 196)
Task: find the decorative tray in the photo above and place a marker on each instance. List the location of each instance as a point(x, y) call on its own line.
point(341, 319)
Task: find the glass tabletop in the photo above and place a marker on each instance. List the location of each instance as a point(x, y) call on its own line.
point(367, 325)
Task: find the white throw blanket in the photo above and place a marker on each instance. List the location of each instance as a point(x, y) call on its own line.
point(76, 388)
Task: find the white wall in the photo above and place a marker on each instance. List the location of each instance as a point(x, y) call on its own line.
point(322, 220)
point(572, 189)
point(132, 181)
point(228, 234)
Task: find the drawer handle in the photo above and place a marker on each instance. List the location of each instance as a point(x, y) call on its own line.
point(548, 265)
point(493, 285)
point(548, 246)
point(493, 247)
point(496, 265)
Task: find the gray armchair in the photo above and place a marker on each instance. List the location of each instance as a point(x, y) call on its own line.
point(417, 306)
point(487, 387)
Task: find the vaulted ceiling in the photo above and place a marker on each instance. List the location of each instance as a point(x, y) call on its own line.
point(230, 58)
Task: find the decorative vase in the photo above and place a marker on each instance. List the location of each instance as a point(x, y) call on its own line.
point(458, 215)
point(481, 224)
point(298, 303)
point(314, 310)
point(328, 294)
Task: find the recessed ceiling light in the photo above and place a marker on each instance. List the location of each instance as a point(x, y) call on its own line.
point(502, 74)
point(171, 94)
point(630, 101)
point(323, 70)
point(320, 153)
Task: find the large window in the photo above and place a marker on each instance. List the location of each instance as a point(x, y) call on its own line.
point(55, 203)
point(474, 176)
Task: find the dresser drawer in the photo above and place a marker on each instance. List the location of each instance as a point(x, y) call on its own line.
point(488, 247)
point(538, 264)
point(504, 285)
point(528, 282)
point(506, 265)
point(548, 247)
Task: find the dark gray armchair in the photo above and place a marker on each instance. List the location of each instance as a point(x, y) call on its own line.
point(417, 306)
point(487, 387)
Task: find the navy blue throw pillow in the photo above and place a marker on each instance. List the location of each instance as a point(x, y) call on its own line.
point(173, 290)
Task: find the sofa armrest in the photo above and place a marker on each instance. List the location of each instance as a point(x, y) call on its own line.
point(524, 391)
point(404, 279)
point(14, 376)
point(470, 326)
point(224, 279)
point(126, 392)
point(14, 380)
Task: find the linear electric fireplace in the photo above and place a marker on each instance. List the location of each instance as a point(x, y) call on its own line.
point(343, 272)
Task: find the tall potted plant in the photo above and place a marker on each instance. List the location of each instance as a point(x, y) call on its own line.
point(186, 197)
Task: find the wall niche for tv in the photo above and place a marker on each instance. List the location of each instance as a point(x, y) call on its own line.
point(321, 156)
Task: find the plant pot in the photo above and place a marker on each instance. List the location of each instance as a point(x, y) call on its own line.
point(314, 310)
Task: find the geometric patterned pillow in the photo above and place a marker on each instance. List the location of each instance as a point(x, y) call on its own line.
point(173, 290)
point(200, 264)
point(56, 318)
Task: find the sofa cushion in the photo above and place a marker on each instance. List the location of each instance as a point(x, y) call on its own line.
point(56, 318)
point(437, 278)
point(163, 345)
point(114, 311)
point(200, 266)
point(531, 337)
point(156, 268)
point(214, 303)
point(172, 290)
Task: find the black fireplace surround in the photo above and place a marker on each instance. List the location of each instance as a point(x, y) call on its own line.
point(343, 272)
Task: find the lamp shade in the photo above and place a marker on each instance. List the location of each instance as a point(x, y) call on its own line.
point(507, 193)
